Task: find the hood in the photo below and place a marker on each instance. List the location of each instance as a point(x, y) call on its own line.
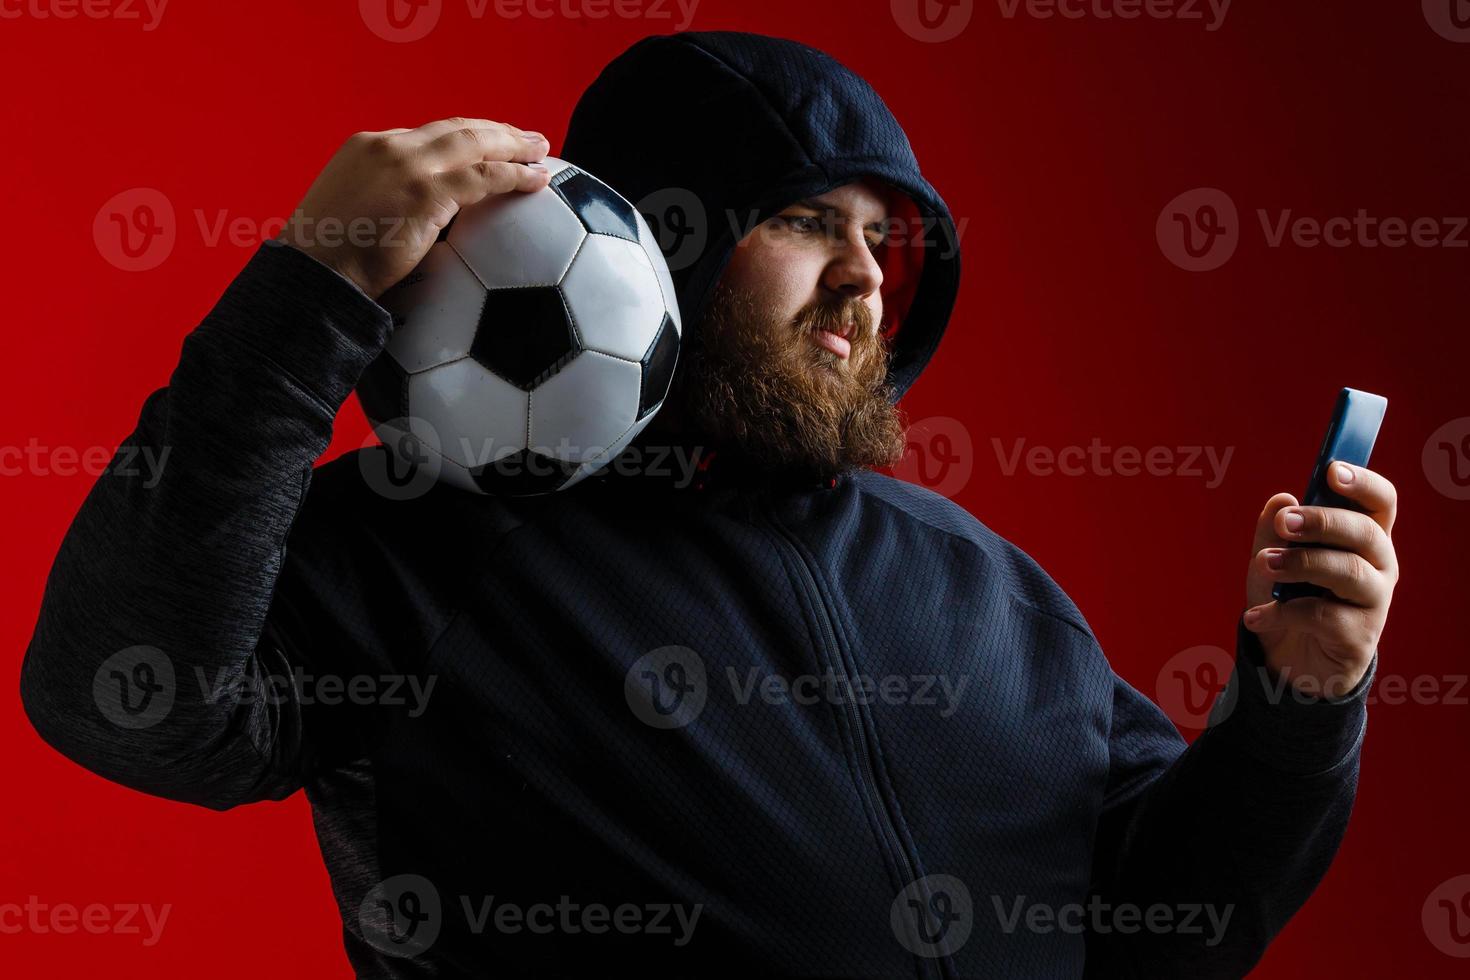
point(713, 132)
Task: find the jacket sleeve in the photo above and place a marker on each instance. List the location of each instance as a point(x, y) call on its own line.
point(154, 617)
point(1230, 835)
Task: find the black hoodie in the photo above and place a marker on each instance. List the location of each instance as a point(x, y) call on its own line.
point(750, 730)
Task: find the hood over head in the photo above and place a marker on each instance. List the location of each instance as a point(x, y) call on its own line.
point(717, 131)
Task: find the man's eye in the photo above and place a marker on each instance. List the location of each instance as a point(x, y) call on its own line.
point(804, 223)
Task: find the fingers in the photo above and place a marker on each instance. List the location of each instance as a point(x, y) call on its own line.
point(450, 144)
point(1336, 527)
point(1257, 585)
point(1348, 576)
point(482, 178)
point(1323, 618)
point(1368, 489)
point(1265, 524)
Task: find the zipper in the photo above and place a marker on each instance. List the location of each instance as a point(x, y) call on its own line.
point(867, 742)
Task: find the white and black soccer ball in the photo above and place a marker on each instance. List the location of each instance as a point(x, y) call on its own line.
point(536, 339)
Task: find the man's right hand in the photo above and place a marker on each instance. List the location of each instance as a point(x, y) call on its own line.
point(379, 204)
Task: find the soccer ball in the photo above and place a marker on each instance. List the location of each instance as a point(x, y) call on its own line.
point(536, 339)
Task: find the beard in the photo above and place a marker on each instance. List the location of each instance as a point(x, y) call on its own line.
point(762, 389)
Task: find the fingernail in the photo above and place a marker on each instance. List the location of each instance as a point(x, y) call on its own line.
point(1294, 521)
point(1276, 560)
point(532, 137)
point(537, 166)
point(1344, 474)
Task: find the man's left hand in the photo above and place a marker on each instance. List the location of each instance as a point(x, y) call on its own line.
point(1324, 646)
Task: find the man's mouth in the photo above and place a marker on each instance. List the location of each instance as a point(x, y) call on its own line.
point(836, 343)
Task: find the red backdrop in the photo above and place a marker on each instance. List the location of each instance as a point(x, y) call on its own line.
point(1059, 141)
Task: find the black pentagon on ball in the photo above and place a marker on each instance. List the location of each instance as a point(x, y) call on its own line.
point(602, 210)
point(523, 473)
point(525, 335)
point(658, 367)
point(383, 390)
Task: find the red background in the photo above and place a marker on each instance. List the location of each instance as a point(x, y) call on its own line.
point(1058, 140)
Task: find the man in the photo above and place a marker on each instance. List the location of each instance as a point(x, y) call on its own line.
point(792, 718)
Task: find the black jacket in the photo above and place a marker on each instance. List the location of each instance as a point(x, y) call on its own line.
point(756, 728)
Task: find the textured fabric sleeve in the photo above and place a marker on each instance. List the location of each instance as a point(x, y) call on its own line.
point(154, 614)
point(1227, 838)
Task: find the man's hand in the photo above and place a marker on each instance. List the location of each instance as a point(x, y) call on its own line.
point(378, 206)
point(1324, 646)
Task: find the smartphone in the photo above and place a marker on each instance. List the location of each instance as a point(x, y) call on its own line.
point(1350, 436)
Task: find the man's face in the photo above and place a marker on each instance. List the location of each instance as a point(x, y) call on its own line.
point(790, 369)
